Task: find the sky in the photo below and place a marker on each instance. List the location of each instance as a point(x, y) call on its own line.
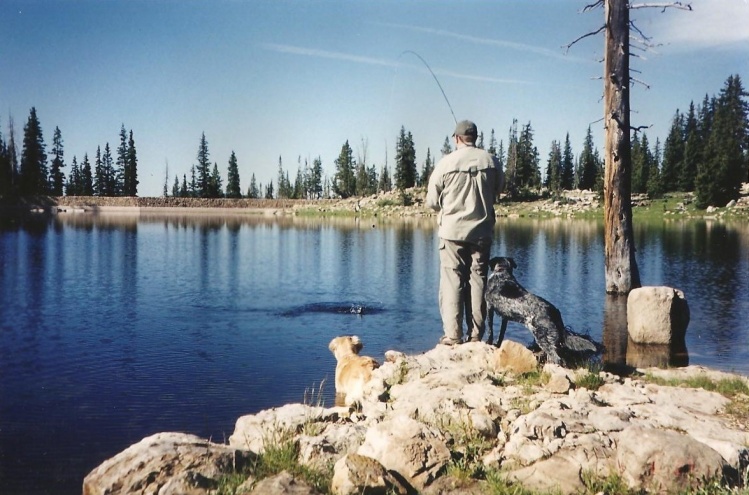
point(297, 79)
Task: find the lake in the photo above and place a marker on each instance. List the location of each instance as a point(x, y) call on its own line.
point(115, 327)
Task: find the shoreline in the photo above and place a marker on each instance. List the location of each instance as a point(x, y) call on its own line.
point(469, 419)
point(408, 203)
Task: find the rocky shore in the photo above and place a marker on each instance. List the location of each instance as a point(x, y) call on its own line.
point(408, 203)
point(467, 419)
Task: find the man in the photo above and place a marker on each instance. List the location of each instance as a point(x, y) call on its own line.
point(462, 189)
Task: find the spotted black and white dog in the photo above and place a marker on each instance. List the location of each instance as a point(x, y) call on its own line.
point(511, 301)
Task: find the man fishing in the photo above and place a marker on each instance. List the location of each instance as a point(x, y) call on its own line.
point(462, 189)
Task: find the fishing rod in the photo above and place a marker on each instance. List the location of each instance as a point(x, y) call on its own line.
point(435, 80)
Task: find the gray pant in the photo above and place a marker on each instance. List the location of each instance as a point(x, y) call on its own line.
point(463, 270)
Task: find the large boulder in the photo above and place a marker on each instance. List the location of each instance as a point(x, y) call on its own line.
point(657, 315)
point(661, 460)
point(167, 464)
point(410, 448)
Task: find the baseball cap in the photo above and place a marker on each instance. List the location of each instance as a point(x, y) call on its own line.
point(466, 128)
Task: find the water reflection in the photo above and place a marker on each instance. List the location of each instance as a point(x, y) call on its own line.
point(113, 327)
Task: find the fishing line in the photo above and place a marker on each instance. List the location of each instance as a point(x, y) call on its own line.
point(435, 80)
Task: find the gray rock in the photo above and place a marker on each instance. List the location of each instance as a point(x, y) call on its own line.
point(660, 460)
point(356, 474)
point(408, 447)
point(283, 483)
point(657, 315)
point(167, 464)
point(335, 441)
point(251, 432)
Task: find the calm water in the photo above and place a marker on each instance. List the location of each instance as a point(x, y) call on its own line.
point(114, 328)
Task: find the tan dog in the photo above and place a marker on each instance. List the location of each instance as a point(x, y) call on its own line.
point(352, 370)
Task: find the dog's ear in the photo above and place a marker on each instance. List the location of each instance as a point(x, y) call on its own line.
point(356, 344)
point(333, 344)
point(493, 262)
point(512, 263)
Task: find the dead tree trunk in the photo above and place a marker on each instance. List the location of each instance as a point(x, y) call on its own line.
point(621, 270)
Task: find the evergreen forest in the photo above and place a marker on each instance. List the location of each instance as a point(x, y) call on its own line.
point(705, 152)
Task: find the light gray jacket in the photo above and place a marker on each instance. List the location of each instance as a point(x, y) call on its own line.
point(462, 189)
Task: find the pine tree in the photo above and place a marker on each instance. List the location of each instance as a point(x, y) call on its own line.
point(87, 179)
point(202, 171)
point(385, 184)
point(233, 189)
point(720, 174)
point(426, 172)
point(269, 191)
point(100, 177)
point(673, 154)
point(654, 186)
point(642, 164)
point(568, 166)
point(184, 192)
point(315, 180)
point(175, 187)
point(554, 168)
point(283, 187)
point(589, 165)
point(692, 151)
point(8, 163)
point(528, 174)
point(6, 170)
point(511, 180)
point(73, 186)
point(165, 192)
point(300, 190)
point(131, 168)
point(110, 175)
point(480, 140)
point(253, 192)
point(33, 173)
point(405, 161)
point(344, 180)
point(446, 147)
point(373, 179)
point(194, 190)
point(492, 149)
point(56, 175)
point(120, 168)
point(362, 179)
point(215, 184)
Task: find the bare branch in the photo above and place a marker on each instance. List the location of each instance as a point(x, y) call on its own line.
point(634, 27)
point(589, 7)
point(592, 33)
point(662, 6)
point(632, 79)
point(640, 128)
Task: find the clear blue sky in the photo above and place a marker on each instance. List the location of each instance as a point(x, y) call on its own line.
point(299, 78)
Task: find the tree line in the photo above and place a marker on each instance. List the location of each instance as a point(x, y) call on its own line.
point(37, 173)
point(705, 152)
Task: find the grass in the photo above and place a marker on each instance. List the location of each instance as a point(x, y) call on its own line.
point(728, 387)
point(734, 389)
point(591, 380)
point(314, 397)
point(281, 453)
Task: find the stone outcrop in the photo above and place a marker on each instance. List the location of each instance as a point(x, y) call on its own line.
point(356, 474)
point(167, 464)
point(657, 315)
point(423, 416)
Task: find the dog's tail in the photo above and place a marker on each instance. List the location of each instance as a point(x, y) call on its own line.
point(580, 343)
